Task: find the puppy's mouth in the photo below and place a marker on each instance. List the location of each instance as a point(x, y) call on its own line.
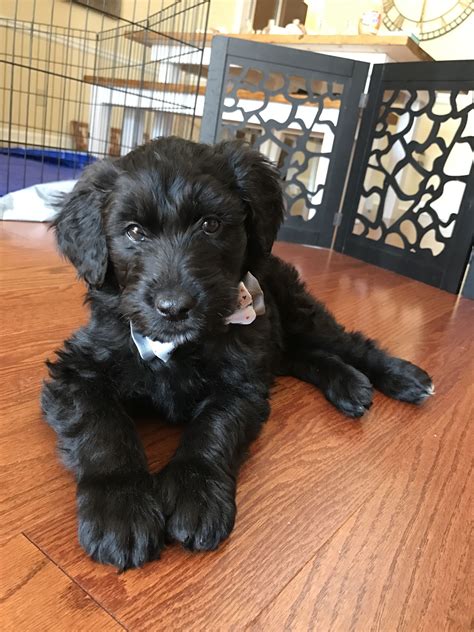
point(177, 333)
point(177, 337)
point(177, 328)
point(148, 322)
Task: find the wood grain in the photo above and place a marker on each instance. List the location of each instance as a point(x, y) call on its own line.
point(41, 304)
point(36, 595)
point(402, 561)
point(389, 492)
point(305, 478)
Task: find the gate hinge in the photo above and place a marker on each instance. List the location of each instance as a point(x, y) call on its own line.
point(337, 219)
point(364, 97)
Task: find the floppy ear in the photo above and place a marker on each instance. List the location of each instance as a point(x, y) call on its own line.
point(78, 225)
point(258, 182)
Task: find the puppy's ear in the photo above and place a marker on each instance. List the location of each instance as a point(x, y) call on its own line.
point(78, 225)
point(258, 182)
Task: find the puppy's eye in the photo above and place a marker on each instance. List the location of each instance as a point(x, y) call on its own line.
point(210, 225)
point(135, 233)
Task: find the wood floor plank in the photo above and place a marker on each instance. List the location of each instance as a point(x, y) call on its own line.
point(36, 595)
point(402, 561)
point(310, 472)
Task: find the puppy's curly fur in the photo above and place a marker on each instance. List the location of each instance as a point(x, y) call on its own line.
point(179, 223)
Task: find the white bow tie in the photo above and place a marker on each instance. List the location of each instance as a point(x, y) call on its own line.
point(149, 349)
point(250, 305)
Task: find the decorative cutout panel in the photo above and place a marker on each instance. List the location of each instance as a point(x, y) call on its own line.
point(409, 204)
point(298, 108)
point(417, 170)
point(292, 119)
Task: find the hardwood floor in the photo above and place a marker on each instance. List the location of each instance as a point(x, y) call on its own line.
point(341, 525)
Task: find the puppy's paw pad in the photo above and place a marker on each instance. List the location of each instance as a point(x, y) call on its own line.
point(351, 392)
point(199, 504)
point(120, 524)
point(406, 382)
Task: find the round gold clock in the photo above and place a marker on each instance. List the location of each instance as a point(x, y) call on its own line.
point(427, 20)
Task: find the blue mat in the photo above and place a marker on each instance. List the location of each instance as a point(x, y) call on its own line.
point(20, 169)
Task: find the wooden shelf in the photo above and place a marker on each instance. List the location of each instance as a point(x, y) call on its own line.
point(176, 88)
point(400, 48)
point(138, 84)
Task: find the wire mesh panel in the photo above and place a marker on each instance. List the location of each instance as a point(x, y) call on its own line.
point(79, 83)
point(298, 108)
point(410, 203)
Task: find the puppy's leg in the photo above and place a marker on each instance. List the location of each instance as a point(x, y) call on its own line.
point(197, 487)
point(120, 521)
point(345, 387)
point(308, 327)
point(393, 376)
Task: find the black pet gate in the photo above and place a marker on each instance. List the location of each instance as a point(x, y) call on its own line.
point(409, 205)
point(406, 200)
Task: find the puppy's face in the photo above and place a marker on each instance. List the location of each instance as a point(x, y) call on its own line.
point(177, 224)
point(177, 243)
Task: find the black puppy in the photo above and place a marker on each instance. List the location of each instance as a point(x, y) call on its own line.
point(165, 238)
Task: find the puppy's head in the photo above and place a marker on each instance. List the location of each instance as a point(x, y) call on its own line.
point(174, 226)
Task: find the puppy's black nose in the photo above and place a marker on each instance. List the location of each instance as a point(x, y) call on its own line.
point(174, 304)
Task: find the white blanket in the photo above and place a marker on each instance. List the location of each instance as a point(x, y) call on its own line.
point(36, 203)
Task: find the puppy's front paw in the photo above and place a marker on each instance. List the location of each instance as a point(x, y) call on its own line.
point(404, 381)
point(120, 520)
point(350, 391)
point(199, 503)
